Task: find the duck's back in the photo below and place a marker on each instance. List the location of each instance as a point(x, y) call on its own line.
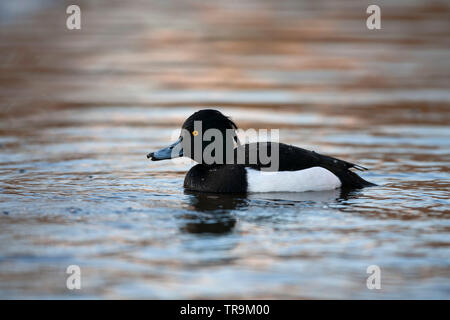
point(292, 158)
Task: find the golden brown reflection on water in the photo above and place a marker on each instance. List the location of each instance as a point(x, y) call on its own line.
point(81, 109)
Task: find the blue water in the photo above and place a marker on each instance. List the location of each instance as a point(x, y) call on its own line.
point(78, 189)
point(80, 109)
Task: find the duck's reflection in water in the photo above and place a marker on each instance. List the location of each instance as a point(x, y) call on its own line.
point(213, 212)
point(299, 198)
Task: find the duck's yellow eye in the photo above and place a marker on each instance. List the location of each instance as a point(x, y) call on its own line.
point(195, 133)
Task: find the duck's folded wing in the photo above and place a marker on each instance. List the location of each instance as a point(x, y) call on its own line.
point(330, 160)
point(291, 158)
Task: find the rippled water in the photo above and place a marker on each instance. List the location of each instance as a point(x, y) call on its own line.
point(76, 187)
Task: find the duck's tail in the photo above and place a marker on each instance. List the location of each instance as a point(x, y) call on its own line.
point(349, 179)
point(341, 169)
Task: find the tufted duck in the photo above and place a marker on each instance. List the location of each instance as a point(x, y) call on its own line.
point(226, 166)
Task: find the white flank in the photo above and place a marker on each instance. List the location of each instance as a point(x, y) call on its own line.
point(311, 179)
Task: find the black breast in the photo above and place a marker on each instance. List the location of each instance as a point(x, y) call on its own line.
point(217, 178)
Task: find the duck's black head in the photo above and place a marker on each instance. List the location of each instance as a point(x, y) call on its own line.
point(207, 137)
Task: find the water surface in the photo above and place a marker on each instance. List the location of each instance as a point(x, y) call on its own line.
point(80, 111)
